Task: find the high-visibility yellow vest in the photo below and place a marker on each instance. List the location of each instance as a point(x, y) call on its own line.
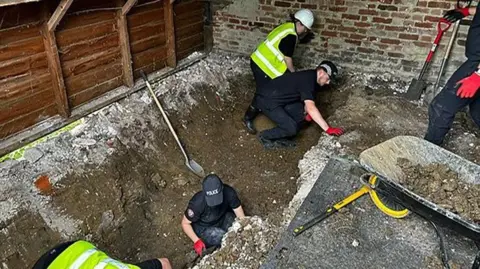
point(268, 55)
point(83, 255)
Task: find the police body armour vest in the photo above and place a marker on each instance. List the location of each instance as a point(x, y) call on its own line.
point(268, 55)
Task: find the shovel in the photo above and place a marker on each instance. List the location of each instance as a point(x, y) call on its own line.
point(418, 85)
point(191, 164)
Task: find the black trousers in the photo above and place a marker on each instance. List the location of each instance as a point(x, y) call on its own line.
point(446, 104)
point(53, 253)
point(260, 80)
point(288, 119)
point(212, 236)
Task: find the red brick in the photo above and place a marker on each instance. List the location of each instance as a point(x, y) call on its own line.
point(387, 7)
point(362, 24)
point(390, 41)
point(367, 12)
point(422, 44)
point(282, 4)
point(357, 37)
point(309, 6)
point(418, 18)
point(370, 6)
point(395, 28)
point(399, 15)
point(432, 19)
point(339, 2)
point(240, 27)
point(408, 36)
point(365, 50)
point(420, 10)
point(424, 24)
point(350, 17)
point(267, 8)
point(426, 38)
point(333, 21)
point(422, 3)
point(346, 29)
point(329, 33)
point(236, 21)
point(381, 20)
point(354, 42)
point(338, 9)
point(396, 55)
point(444, 5)
point(267, 19)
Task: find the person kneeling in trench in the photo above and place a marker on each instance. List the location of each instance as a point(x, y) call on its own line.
point(82, 254)
point(289, 101)
point(209, 214)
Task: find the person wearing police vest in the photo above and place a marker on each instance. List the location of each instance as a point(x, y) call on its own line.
point(84, 255)
point(462, 89)
point(273, 57)
point(210, 213)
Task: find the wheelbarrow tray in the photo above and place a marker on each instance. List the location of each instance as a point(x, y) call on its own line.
point(382, 160)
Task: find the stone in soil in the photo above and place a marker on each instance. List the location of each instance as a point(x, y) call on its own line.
point(442, 186)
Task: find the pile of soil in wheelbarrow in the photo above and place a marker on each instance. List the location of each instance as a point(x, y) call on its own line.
point(442, 186)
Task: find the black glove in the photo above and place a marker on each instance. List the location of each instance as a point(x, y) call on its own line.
point(456, 14)
point(307, 38)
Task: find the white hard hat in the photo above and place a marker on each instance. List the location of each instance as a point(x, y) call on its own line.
point(305, 16)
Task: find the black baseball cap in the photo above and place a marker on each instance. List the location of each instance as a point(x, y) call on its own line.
point(329, 68)
point(213, 190)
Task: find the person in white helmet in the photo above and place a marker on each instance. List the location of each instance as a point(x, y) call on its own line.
point(273, 57)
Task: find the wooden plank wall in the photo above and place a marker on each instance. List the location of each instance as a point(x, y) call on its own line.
point(146, 26)
point(25, 83)
point(188, 27)
point(88, 45)
point(89, 52)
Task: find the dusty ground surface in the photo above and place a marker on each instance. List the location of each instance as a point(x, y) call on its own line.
point(438, 184)
point(120, 180)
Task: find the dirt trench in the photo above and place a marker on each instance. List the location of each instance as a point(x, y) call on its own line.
point(132, 203)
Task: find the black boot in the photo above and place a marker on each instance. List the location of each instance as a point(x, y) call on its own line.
point(250, 115)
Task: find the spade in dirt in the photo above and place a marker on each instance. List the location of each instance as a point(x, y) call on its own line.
point(191, 164)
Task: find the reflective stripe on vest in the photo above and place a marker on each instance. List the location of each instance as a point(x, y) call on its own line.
point(268, 55)
point(110, 261)
point(82, 259)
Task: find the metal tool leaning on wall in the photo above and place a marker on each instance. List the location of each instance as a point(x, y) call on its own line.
point(191, 164)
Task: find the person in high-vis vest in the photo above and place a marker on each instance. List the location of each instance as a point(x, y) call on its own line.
point(83, 255)
point(273, 57)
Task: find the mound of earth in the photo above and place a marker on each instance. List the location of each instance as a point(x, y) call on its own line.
point(442, 186)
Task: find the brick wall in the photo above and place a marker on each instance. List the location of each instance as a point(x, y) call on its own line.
point(368, 35)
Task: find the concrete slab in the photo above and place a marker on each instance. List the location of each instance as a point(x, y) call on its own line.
point(361, 237)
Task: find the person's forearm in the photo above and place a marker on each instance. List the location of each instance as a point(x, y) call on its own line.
point(239, 212)
point(313, 111)
point(188, 229)
point(289, 62)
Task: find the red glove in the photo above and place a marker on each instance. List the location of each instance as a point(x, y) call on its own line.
point(199, 246)
point(308, 118)
point(334, 131)
point(469, 86)
point(456, 14)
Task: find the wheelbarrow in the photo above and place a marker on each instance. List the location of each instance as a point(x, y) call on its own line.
point(382, 161)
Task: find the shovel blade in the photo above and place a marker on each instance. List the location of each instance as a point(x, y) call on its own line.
point(195, 168)
point(415, 89)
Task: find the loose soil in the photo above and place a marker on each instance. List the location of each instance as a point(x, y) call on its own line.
point(142, 187)
point(440, 185)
